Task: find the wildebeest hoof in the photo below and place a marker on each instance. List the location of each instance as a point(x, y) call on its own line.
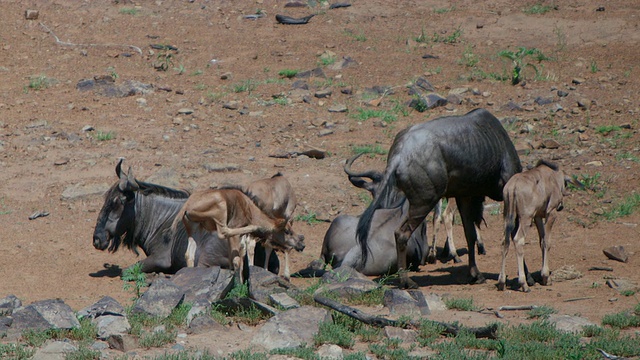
point(480, 279)
point(431, 259)
point(500, 286)
point(481, 250)
point(530, 280)
point(456, 259)
point(546, 280)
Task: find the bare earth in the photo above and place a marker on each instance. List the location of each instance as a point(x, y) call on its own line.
point(43, 149)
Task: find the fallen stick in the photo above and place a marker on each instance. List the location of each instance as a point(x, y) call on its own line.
point(517, 307)
point(579, 298)
point(490, 331)
point(600, 268)
point(58, 41)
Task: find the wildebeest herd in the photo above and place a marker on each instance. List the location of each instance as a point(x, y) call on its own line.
point(461, 158)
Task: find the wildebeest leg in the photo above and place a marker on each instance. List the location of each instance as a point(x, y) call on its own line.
point(481, 250)
point(471, 213)
point(240, 231)
point(190, 254)
point(518, 242)
point(249, 243)
point(447, 218)
point(417, 214)
point(502, 278)
point(545, 244)
point(236, 257)
point(287, 274)
point(429, 256)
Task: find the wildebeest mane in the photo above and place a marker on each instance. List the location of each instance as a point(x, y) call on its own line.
point(277, 174)
point(256, 200)
point(549, 164)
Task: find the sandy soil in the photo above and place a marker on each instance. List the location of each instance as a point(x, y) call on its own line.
point(44, 150)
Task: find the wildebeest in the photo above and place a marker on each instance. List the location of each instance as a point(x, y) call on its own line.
point(138, 214)
point(532, 196)
point(467, 157)
point(277, 199)
point(341, 248)
point(234, 215)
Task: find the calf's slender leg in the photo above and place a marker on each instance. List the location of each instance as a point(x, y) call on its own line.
point(518, 242)
point(545, 245)
point(502, 278)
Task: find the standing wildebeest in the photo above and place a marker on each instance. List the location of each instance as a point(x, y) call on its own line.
point(467, 157)
point(532, 196)
point(341, 248)
point(235, 217)
point(139, 214)
point(275, 197)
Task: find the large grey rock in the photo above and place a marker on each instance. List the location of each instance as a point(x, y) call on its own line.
point(202, 285)
point(291, 328)
point(122, 342)
point(342, 274)
point(409, 303)
point(109, 325)
point(263, 283)
point(46, 314)
point(162, 297)
point(330, 352)
point(617, 253)
point(406, 335)
point(283, 301)
point(435, 303)
point(56, 350)
point(105, 306)
point(569, 323)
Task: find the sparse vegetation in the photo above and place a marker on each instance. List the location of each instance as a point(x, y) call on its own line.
point(128, 11)
point(369, 149)
point(288, 73)
point(245, 86)
point(444, 10)
point(104, 136)
point(538, 9)
point(463, 304)
point(39, 82)
point(310, 218)
point(624, 208)
point(541, 312)
point(519, 59)
point(363, 114)
point(134, 279)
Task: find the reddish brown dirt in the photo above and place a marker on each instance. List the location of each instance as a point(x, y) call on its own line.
point(53, 257)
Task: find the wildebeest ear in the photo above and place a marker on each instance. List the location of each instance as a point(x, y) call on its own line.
point(128, 181)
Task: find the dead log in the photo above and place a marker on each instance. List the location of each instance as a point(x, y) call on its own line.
point(490, 331)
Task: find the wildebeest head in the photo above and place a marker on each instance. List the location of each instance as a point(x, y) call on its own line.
point(116, 217)
point(293, 239)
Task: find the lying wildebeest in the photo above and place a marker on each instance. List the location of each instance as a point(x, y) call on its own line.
point(139, 214)
point(532, 196)
point(467, 157)
point(276, 198)
point(341, 248)
point(236, 218)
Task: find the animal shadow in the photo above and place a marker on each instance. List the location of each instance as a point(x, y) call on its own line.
point(110, 270)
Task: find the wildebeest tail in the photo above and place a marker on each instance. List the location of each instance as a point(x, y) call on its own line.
point(386, 189)
point(509, 214)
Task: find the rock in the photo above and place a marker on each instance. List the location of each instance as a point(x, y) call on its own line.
point(202, 285)
point(299, 95)
point(226, 75)
point(218, 167)
point(109, 325)
point(185, 111)
point(623, 285)
point(160, 299)
point(338, 108)
point(122, 342)
point(346, 62)
point(31, 14)
point(284, 301)
point(349, 288)
point(330, 352)
point(81, 191)
point(46, 314)
point(291, 328)
point(409, 303)
point(324, 93)
point(263, 283)
point(342, 274)
point(567, 323)
point(317, 72)
point(596, 163)
point(550, 144)
point(435, 303)
point(405, 335)
point(8, 304)
point(56, 350)
point(424, 85)
point(566, 272)
point(543, 101)
point(584, 103)
point(325, 132)
point(617, 253)
point(105, 306)
point(562, 93)
point(577, 81)
point(231, 105)
point(204, 323)
point(512, 106)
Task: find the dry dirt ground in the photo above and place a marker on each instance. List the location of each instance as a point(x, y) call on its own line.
point(44, 150)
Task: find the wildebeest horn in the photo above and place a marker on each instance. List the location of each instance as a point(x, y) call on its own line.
point(574, 182)
point(375, 176)
point(128, 181)
point(119, 166)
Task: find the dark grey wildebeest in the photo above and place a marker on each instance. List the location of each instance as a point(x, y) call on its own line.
point(137, 214)
point(467, 157)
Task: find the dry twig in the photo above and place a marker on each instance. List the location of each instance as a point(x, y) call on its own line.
point(65, 43)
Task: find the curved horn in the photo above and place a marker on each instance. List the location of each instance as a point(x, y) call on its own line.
point(133, 184)
point(374, 175)
point(128, 181)
point(119, 166)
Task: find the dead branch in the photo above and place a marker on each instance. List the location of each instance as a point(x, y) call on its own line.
point(58, 41)
point(517, 307)
point(490, 331)
point(579, 298)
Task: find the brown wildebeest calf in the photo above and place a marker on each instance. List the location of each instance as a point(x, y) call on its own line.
point(532, 196)
point(276, 198)
point(234, 215)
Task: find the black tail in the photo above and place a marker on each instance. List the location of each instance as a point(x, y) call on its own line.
point(386, 189)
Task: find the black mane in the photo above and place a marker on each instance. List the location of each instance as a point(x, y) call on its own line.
point(149, 189)
point(256, 200)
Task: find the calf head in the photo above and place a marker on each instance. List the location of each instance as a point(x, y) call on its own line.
point(117, 215)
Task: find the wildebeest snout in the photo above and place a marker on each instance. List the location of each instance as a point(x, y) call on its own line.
point(100, 241)
point(300, 243)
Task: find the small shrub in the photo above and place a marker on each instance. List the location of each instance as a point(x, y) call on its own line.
point(104, 136)
point(288, 73)
point(607, 129)
point(463, 304)
point(542, 312)
point(369, 149)
point(330, 333)
point(247, 85)
point(156, 339)
point(303, 352)
point(538, 9)
point(238, 291)
point(128, 11)
point(133, 274)
point(310, 218)
point(39, 82)
point(366, 114)
point(621, 320)
point(83, 353)
point(519, 59)
point(444, 10)
point(16, 351)
point(625, 208)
